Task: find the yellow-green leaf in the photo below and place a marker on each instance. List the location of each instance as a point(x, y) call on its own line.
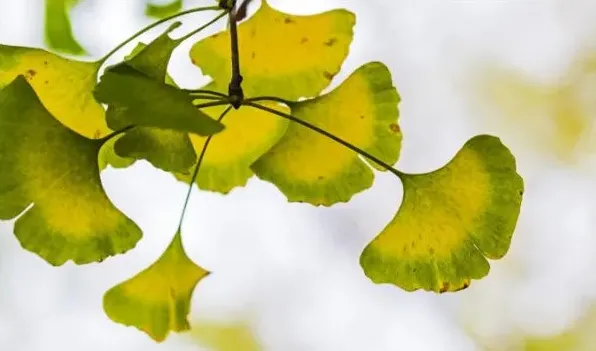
point(283, 55)
point(168, 150)
point(157, 300)
point(64, 86)
point(58, 29)
point(308, 167)
point(51, 173)
point(450, 221)
point(249, 134)
point(225, 337)
point(163, 10)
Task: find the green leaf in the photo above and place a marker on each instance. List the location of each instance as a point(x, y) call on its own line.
point(58, 29)
point(450, 221)
point(281, 54)
point(225, 337)
point(55, 171)
point(157, 300)
point(64, 87)
point(141, 100)
point(249, 134)
point(169, 150)
point(308, 167)
point(165, 10)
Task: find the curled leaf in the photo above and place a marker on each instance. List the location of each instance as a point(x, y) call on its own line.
point(157, 300)
point(307, 53)
point(450, 221)
point(51, 173)
point(308, 167)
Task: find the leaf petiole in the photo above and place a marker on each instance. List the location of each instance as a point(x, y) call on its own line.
point(102, 60)
point(187, 36)
point(202, 91)
point(326, 134)
point(197, 168)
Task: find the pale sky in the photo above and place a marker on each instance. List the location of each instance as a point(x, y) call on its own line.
point(292, 269)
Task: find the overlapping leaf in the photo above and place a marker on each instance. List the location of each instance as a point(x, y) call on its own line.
point(450, 221)
point(51, 173)
point(308, 167)
point(157, 300)
point(283, 55)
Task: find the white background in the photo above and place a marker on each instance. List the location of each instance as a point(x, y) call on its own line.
point(292, 270)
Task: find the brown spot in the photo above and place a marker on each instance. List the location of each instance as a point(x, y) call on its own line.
point(431, 250)
point(465, 285)
point(304, 40)
point(413, 245)
point(288, 20)
point(215, 35)
point(394, 128)
point(328, 76)
point(444, 287)
point(361, 117)
point(320, 177)
point(330, 42)
point(96, 134)
point(253, 55)
point(193, 61)
point(46, 82)
point(30, 73)
point(45, 63)
point(253, 32)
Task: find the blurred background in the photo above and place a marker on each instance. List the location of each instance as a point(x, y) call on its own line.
point(287, 275)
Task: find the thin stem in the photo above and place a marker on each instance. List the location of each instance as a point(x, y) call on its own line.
point(202, 91)
point(328, 135)
point(270, 98)
point(116, 133)
point(207, 97)
point(151, 26)
point(211, 104)
point(197, 168)
point(221, 15)
point(235, 87)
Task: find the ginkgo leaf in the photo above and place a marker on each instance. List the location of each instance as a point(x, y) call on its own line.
point(225, 337)
point(308, 167)
point(169, 150)
point(163, 10)
point(157, 300)
point(450, 221)
point(138, 99)
point(249, 134)
point(58, 29)
point(64, 86)
point(283, 55)
point(51, 173)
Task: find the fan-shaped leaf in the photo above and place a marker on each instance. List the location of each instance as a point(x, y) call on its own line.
point(226, 337)
point(249, 134)
point(157, 300)
point(308, 167)
point(64, 86)
point(55, 170)
point(450, 221)
point(282, 55)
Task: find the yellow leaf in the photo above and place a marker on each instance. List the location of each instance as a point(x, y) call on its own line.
point(281, 54)
point(51, 173)
point(309, 167)
point(225, 337)
point(64, 86)
point(157, 300)
point(450, 221)
point(249, 134)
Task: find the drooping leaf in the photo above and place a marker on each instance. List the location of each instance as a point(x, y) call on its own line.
point(308, 167)
point(163, 10)
point(248, 135)
point(157, 300)
point(64, 86)
point(55, 171)
point(450, 221)
point(225, 337)
point(58, 29)
point(169, 150)
point(140, 99)
point(283, 55)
